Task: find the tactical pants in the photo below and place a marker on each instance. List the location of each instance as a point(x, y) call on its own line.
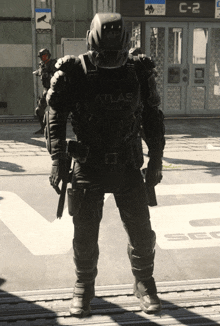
point(87, 215)
point(41, 107)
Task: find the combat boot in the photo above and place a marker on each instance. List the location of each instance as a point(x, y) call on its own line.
point(147, 293)
point(82, 295)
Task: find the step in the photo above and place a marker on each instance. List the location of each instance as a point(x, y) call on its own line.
point(193, 302)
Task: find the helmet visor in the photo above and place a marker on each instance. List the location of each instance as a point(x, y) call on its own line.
point(110, 59)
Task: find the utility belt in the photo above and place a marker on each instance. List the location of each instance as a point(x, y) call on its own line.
point(130, 153)
point(85, 154)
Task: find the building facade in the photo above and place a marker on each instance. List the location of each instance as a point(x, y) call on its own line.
point(182, 37)
point(26, 26)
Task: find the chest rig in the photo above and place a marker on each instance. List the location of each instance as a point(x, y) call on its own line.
point(108, 117)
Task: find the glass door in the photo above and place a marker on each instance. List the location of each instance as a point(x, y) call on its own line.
point(187, 57)
point(204, 62)
point(167, 45)
point(198, 69)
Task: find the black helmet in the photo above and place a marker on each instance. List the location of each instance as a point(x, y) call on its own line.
point(108, 41)
point(44, 51)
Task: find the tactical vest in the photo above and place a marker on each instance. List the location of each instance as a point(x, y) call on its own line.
point(108, 115)
point(47, 71)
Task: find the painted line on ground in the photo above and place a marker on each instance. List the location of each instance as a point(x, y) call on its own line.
point(173, 224)
point(38, 235)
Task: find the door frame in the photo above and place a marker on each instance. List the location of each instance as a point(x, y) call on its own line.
point(187, 54)
point(192, 66)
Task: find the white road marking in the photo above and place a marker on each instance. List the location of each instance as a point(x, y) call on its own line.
point(171, 223)
point(209, 146)
point(187, 189)
point(174, 230)
point(38, 235)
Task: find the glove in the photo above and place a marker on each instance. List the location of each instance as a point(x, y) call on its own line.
point(153, 177)
point(59, 172)
point(153, 174)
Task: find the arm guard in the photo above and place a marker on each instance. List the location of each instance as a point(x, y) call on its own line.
point(60, 98)
point(55, 134)
point(154, 130)
point(152, 117)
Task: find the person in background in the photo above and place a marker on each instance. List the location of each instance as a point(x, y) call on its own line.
point(138, 52)
point(45, 72)
point(109, 94)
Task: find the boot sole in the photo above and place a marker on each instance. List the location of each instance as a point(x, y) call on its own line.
point(79, 313)
point(152, 308)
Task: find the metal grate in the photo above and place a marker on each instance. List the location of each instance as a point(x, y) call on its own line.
point(198, 98)
point(157, 49)
point(173, 98)
point(214, 72)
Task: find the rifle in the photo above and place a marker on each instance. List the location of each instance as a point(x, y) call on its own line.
point(63, 189)
point(151, 194)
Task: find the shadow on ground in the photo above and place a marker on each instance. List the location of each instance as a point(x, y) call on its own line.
point(123, 316)
point(16, 309)
point(193, 128)
point(23, 132)
point(12, 167)
point(212, 168)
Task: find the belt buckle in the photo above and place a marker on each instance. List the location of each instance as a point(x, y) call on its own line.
point(111, 158)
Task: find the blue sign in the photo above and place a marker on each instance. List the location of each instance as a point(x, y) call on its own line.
point(43, 10)
point(155, 7)
point(155, 2)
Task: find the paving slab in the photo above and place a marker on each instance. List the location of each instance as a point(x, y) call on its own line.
point(193, 303)
point(186, 251)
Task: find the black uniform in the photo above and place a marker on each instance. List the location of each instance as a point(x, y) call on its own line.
point(107, 108)
point(45, 71)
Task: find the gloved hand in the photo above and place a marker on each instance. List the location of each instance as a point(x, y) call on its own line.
point(153, 177)
point(59, 172)
point(153, 174)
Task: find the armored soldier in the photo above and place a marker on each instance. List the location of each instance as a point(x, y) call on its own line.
point(109, 94)
point(45, 71)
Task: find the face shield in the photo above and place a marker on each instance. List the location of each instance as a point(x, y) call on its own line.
point(108, 59)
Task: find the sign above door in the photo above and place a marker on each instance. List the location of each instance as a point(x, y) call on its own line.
point(171, 8)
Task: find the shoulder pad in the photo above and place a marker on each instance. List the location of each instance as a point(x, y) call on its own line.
point(146, 61)
point(58, 81)
point(67, 63)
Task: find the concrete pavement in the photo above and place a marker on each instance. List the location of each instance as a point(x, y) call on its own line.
point(187, 194)
point(190, 143)
point(36, 249)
